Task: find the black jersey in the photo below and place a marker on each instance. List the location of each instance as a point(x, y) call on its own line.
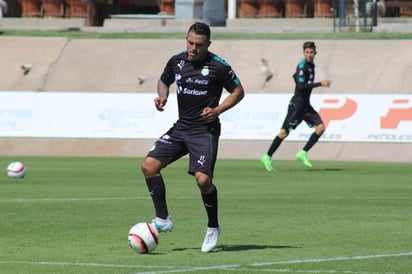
point(199, 84)
point(304, 79)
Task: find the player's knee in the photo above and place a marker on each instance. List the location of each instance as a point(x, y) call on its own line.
point(320, 129)
point(150, 167)
point(202, 179)
point(204, 182)
point(283, 134)
point(145, 168)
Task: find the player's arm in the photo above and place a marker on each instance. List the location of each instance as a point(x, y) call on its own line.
point(163, 93)
point(325, 83)
point(232, 100)
point(303, 84)
point(163, 84)
point(236, 95)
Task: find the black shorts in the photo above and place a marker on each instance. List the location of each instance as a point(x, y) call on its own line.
point(298, 113)
point(200, 142)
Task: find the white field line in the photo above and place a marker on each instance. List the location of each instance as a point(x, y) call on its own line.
point(287, 270)
point(246, 268)
point(270, 270)
point(85, 264)
point(86, 199)
point(365, 257)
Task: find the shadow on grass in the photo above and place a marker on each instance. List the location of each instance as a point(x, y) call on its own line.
point(313, 169)
point(252, 247)
point(232, 248)
point(324, 169)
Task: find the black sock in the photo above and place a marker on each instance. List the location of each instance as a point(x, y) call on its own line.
point(274, 146)
point(157, 191)
point(210, 203)
point(311, 142)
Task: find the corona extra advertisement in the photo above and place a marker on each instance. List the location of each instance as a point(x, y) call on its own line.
point(348, 117)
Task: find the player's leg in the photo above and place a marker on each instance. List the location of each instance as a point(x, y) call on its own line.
point(151, 170)
point(154, 180)
point(314, 138)
point(210, 201)
point(313, 118)
point(290, 122)
point(202, 158)
point(161, 154)
point(209, 197)
point(266, 159)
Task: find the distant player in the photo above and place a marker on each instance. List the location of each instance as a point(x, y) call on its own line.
point(300, 108)
point(200, 78)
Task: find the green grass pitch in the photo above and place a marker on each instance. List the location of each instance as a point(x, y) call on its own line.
point(72, 215)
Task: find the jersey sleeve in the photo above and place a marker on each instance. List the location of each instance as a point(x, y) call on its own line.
point(302, 80)
point(231, 81)
point(167, 75)
point(228, 77)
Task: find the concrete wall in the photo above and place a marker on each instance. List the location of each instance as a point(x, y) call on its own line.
point(61, 64)
point(79, 65)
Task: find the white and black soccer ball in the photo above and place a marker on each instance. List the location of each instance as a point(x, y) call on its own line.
point(143, 238)
point(16, 170)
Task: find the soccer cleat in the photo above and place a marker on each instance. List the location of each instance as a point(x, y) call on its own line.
point(303, 157)
point(163, 225)
point(266, 160)
point(211, 237)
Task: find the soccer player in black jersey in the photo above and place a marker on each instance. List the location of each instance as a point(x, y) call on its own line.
point(200, 77)
point(300, 108)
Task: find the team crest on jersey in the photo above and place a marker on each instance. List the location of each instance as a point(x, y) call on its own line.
point(205, 71)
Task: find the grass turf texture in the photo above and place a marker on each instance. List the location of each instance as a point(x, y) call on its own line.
point(72, 215)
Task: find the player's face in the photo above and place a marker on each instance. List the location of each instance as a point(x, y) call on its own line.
point(197, 46)
point(309, 54)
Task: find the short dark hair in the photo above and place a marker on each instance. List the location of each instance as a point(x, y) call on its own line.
point(309, 45)
point(201, 29)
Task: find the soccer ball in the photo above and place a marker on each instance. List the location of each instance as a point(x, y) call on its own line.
point(143, 238)
point(16, 170)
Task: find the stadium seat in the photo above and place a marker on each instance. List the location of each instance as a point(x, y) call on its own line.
point(167, 6)
point(295, 8)
point(323, 8)
point(83, 9)
point(248, 8)
point(271, 8)
point(53, 8)
point(31, 8)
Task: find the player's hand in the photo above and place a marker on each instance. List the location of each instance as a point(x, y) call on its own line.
point(210, 114)
point(325, 83)
point(160, 102)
